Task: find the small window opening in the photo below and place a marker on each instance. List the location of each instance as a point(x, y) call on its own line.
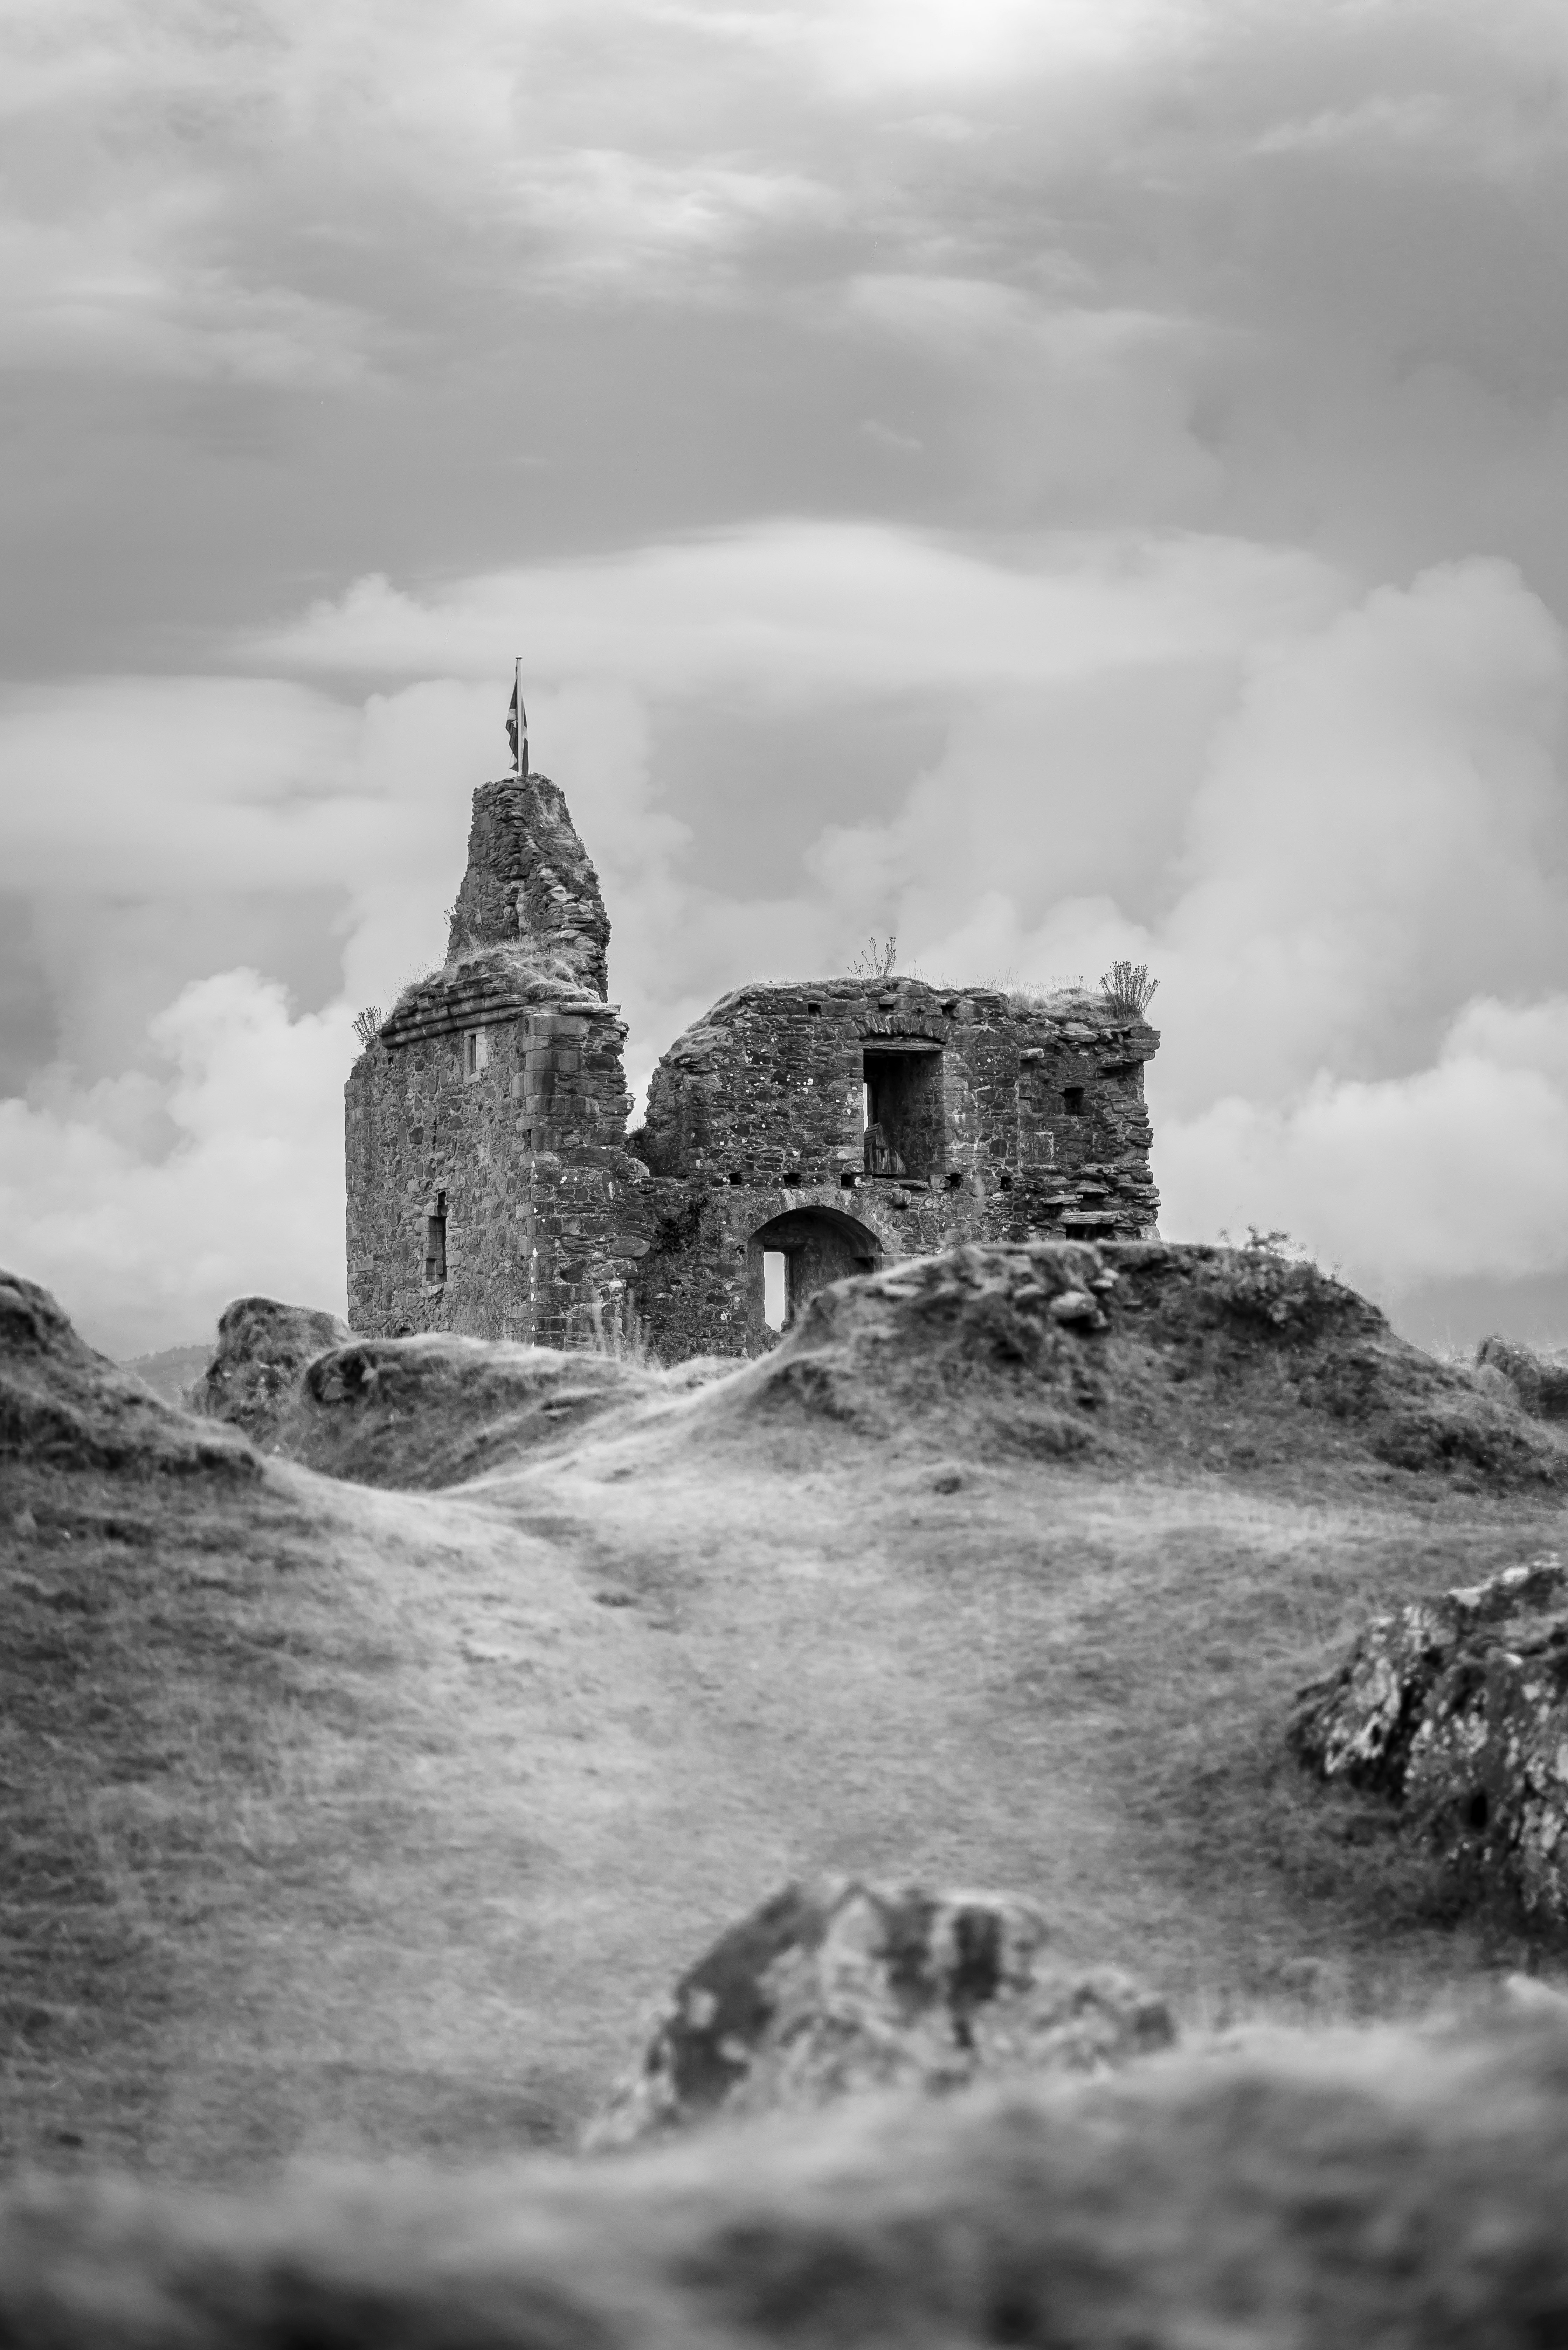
point(475, 1052)
point(735, 1178)
point(813, 1011)
point(1073, 1100)
point(435, 1241)
point(846, 1181)
point(955, 1179)
point(791, 1176)
point(775, 1287)
point(1004, 1183)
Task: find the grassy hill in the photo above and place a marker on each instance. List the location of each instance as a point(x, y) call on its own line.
point(352, 1820)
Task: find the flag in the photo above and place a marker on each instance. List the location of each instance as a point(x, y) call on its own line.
point(516, 716)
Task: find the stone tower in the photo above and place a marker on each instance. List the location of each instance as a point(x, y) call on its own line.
point(489, 1186)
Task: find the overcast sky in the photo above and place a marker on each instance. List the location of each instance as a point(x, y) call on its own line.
point(1055, 479)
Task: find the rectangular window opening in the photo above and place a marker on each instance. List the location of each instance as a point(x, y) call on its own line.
point(903, 1130)
point(775, 1288)
point(1073, 1100)
point(475, 1052)
point(435, 1241)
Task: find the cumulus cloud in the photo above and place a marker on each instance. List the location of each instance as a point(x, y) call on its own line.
point(1360, 923)
point(145, 1251)
point(1455, 1169)
point(1333, 823)
point(792, 608)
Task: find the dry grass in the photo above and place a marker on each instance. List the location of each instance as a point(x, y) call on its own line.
point(358, 1823)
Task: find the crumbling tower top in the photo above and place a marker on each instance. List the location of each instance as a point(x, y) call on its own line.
point(531, 881)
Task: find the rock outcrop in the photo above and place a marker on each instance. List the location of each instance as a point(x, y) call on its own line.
point(253, 1380)
point(1539, 1388)
point(1144, 1350)
point(845, 1985)
point(64, 1407)
point(1457, 1710)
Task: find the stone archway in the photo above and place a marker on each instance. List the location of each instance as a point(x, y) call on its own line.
point(818, 1245)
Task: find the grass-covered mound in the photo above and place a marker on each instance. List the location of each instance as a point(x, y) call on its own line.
point(434, 1410)
point(350, 1821)
point(66, 1405)
point(1145, 1353)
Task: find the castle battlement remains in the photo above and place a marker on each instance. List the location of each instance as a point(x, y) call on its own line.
point(800, 1132)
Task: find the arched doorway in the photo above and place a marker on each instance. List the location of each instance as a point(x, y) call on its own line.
point(817, 1245)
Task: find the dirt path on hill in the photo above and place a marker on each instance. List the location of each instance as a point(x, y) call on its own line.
point(608, 1704)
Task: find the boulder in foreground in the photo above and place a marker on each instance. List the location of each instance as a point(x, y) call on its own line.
point(1457, 1710)
point(844, 1985)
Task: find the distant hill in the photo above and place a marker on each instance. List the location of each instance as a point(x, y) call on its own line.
point(170, 1371)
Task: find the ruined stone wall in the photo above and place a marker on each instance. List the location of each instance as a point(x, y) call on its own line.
point(1011, 1118)
point(755, 1121)
point(768, 1087)
point(529, 877)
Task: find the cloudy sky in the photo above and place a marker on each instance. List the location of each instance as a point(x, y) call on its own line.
point(1054, 479)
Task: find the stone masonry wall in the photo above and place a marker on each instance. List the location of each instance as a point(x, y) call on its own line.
point(495, 1091)
point(530, 876)
point(544, 1207)
point(769, 1087)
point(756, 1115)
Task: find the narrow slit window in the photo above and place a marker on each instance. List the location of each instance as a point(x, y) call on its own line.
point(775, 1287)
point(475, 1052)
point(435, 1240)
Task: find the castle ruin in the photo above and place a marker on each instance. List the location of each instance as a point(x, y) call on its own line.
point(802, 1131)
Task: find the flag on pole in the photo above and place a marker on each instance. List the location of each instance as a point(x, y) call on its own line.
point(517, 723)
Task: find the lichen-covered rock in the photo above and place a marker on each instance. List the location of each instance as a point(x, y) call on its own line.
point(845, 1985)
point(1457, 1710)
point(1539, 1388)
point(253, 1380)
